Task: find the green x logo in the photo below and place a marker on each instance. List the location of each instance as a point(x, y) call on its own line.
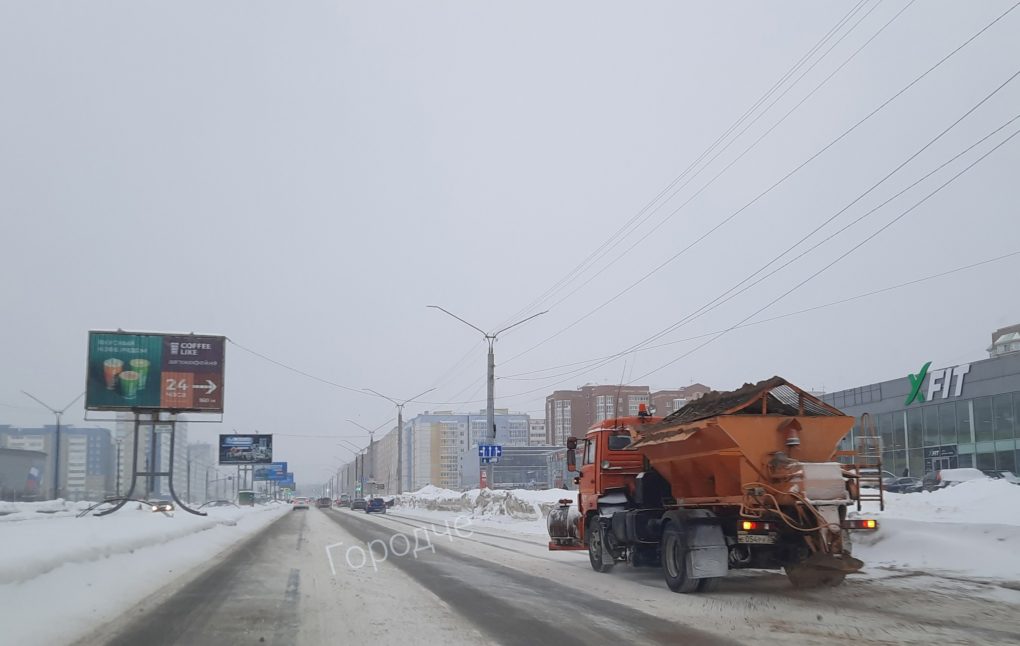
point(915, 384)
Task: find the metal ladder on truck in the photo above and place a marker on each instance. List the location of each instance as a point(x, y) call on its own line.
point(868, 465)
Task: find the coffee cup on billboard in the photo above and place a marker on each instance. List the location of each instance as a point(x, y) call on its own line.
point(128, 384)
point(111, 368)
point(141, 366)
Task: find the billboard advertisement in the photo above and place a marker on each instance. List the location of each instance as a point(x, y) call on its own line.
point(246, 449)
point(273, 472)
point(288, 481)
point(174, 372)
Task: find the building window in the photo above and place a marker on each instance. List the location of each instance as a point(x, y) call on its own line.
point(983, 426)
point(930, 414)
point(914, 429)
point(899, 430)
point(964, 427)
point(1002, 406)
point(947, 423)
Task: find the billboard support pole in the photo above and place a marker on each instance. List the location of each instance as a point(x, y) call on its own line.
point(148, 473)
point(170, 477)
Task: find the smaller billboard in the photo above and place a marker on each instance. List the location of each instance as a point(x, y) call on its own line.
point(246, 449)
point(272, 472)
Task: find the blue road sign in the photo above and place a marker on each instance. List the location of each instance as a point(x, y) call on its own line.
point(490, 451)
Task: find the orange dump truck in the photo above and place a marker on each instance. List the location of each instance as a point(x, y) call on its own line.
point(741, 479)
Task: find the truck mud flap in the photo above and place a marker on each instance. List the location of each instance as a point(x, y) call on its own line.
point(707, 554)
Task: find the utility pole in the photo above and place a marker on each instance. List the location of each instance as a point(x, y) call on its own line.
point(56, 438)
point(490, 338)
point(400, 431)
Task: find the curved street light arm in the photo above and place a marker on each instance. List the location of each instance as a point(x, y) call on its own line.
point(519, 322)
point(484, 333)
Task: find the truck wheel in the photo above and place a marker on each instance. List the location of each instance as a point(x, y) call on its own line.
point(598, 563)
point(674, 561)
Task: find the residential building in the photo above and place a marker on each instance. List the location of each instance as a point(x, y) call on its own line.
point(1004, 341)
point(537, 433)
point(85, 464)
point(665, 402)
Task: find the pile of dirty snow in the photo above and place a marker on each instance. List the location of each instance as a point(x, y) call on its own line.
point(517, 504)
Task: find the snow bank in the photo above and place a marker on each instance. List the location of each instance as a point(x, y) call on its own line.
point(54, 539)
point(517, 504)
point(977, 501)
point(14, 511)
point(971, 530)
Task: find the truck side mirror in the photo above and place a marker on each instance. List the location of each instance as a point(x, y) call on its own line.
point(571, 454)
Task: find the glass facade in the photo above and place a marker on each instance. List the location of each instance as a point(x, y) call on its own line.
point(981, 432)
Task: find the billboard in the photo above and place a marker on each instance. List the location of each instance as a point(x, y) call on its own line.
point(287, 482)
point(175, 372)
point(273, 472)
point(246, 449)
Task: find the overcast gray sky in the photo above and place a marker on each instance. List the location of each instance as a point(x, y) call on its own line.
point(305, 177)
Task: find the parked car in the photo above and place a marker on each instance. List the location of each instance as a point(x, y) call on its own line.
point(358, 503)
point(949, 477)
point(324, 503)
point(300, 503)
point(887, 478)
point(1008, 476)
point(905, 485)
point(377, 505)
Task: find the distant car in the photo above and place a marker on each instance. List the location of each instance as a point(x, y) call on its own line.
point(358, 503)
point(377, 505)
point(161, 505)
point(1008, 476)
point(345, 500)
point(949, 477)
point(905, 485)
point(300, 503)
point(323, 503)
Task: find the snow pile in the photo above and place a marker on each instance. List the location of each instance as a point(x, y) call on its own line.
point(971, 529)
point(32, 549)
point(517, 504)
point(11, 511)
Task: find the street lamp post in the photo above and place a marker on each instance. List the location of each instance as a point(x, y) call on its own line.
point(490, 338)
point(56, 438)
point(400, 431)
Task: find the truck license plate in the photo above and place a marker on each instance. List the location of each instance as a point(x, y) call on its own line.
point(757, 539)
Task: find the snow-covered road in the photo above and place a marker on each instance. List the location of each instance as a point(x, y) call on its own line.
point(943, 569)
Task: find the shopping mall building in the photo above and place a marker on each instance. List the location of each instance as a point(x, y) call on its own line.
point(940, 417)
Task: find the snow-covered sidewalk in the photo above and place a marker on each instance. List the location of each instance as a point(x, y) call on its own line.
point(90, 570)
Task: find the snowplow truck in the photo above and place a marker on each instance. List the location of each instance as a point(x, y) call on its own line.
point(740, 479)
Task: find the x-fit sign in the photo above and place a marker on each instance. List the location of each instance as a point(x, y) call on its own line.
point(940, 383)
point(915, 384)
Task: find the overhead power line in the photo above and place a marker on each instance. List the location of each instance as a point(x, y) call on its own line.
point(772, 187)
point(613, 238)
